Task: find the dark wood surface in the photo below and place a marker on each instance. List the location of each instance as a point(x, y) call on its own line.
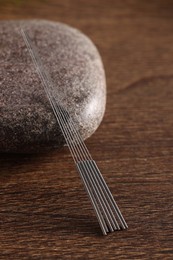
point(44, 211)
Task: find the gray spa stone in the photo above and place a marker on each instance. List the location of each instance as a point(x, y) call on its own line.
point(27, 122)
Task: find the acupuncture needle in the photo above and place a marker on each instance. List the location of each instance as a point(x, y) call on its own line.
point(107, 212)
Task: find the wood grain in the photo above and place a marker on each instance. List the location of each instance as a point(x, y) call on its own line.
point(44, 211)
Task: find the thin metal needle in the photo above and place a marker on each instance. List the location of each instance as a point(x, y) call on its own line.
point(96, 187)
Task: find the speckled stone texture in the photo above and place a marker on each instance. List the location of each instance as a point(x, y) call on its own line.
point(27, 122)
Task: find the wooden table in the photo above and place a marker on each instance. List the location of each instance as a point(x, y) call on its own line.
point(44, 211)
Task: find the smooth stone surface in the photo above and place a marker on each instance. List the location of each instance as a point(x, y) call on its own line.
point(27, 122)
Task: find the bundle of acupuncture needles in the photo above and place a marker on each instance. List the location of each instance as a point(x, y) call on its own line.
point(106, 209)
